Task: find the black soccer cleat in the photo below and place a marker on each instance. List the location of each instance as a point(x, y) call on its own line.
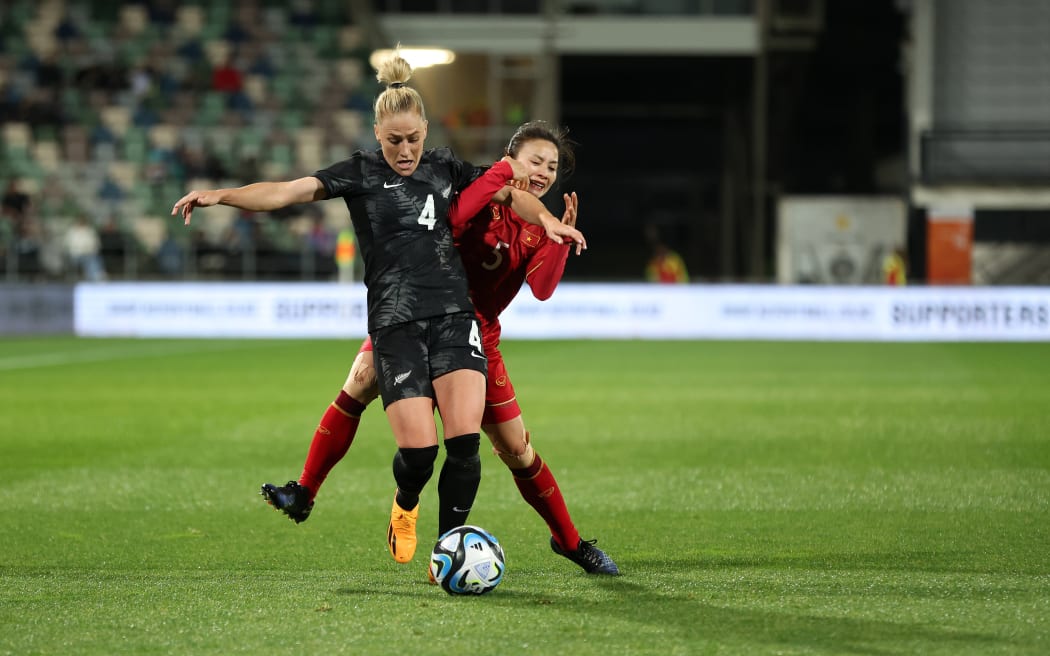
point(291, 499)
point(592, 559)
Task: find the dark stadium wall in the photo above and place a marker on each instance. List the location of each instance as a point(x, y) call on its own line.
point(654, 144)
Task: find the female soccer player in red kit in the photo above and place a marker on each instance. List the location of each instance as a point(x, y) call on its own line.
point(500, 252)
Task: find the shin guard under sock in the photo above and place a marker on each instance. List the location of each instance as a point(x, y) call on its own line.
point(459, 480)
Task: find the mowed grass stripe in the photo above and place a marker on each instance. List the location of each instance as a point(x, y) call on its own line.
point(91, 351)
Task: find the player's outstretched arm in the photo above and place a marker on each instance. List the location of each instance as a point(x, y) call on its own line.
point(256, 197)
point(532, 210)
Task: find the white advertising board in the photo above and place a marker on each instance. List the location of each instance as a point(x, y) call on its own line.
point(587, 311)
point(220, 310)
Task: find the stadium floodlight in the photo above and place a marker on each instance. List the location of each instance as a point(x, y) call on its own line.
point(416, 57)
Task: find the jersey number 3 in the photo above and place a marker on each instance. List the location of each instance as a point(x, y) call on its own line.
point(497, 259)
point(426, 217)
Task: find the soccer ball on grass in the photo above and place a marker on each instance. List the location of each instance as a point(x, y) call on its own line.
point(467, 560)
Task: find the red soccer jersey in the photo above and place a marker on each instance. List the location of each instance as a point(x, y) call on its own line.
point(500, 251)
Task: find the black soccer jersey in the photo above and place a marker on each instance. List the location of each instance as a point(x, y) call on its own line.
point(412, 269)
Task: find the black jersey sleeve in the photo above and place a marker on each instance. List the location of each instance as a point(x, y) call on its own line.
point(462, 173)
point(345, 177)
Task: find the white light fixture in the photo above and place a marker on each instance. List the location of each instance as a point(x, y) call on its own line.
point(416, 57)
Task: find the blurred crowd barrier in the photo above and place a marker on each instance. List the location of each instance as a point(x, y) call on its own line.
point(577, 311)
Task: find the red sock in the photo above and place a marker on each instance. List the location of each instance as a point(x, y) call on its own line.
point(331, 440)
point(538, 487)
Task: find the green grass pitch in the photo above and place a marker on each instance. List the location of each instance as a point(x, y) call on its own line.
point(760, 498)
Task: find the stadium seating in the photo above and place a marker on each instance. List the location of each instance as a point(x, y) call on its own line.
point(117, 108)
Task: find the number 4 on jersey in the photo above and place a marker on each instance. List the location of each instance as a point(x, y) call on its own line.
point(475, 340)
point(426, 217)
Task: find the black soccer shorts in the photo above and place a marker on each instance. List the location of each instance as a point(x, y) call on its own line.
point(409, 356)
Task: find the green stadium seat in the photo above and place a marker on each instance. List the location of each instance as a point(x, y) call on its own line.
point(135, 145)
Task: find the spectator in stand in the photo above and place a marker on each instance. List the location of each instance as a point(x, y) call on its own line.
point(66, 29)
point(24, 233)
point(29, 247)
point(243, 234)
point(227, 78)
point(665, 266)
point(15, 204)
point(169, 256)
point(302, 14)
point(140, 80)
point(113, 245)
point(320, 238)
point(895, 267)
point(191, 162)
point(49, 74)
point(84, 247)
point(161, 12)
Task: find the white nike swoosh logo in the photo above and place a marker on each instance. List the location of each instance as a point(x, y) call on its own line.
point(477, 355)
point(458, 509)
point(387, 185)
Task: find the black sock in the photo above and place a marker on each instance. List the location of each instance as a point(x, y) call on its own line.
point(459, 480)
point(412, 469)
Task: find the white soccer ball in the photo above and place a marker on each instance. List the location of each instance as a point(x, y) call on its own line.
point(467, 560)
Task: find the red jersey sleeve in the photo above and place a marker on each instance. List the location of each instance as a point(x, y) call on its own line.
point(474, 198)
point(546, 268)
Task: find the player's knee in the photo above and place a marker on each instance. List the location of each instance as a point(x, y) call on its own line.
point(361, 383)
point(415, 465)
point(463, 450)
point(519, 454)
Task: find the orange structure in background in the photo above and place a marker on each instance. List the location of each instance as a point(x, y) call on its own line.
point(949, 246)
